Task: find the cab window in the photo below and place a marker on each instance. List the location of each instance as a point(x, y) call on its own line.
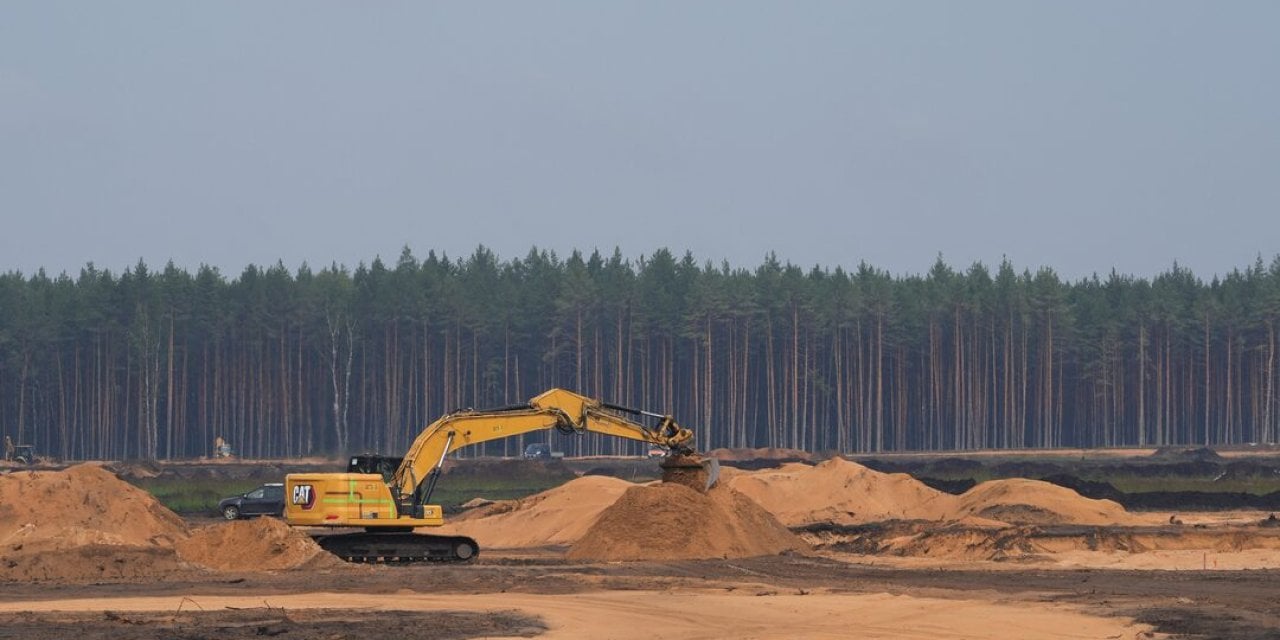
point(256, 494)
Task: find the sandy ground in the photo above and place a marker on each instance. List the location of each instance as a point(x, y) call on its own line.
point(1068, 561)
point(691, 615)
point(790, 596)
point(1048, 569)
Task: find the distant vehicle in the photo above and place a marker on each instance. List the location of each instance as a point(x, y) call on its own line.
point(263, 501)
point(221, 448)
point(541, 451)
point(25, 453)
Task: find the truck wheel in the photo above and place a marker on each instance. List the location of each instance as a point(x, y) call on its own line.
point(231, 512)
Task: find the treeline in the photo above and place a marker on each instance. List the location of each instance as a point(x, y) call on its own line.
point(155, 364)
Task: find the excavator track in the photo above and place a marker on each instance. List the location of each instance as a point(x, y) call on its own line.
point(399, 547)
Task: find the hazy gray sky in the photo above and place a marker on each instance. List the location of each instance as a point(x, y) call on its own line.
point(1079, 135)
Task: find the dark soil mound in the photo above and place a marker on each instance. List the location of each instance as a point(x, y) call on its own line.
point(953, 487)
point(757, 459)
point(1088, 488)
point(544, 472)
point(266, 622)
point(1194, 454)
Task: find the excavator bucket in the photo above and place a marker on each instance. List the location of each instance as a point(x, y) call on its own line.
point(693, 471)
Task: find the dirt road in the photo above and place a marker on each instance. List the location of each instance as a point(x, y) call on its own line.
point(636, 615)
point(772, 597)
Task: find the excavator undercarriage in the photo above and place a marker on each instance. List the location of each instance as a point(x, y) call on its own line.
point(398, 547)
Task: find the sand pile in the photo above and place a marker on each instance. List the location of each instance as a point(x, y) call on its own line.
point(558, 516)
point(1022, 501)
point(606, 518)
point(264, 544)
point(674, 522)
point(842, 492)
point(846, 493)
point(80, 506)
point(84, 523)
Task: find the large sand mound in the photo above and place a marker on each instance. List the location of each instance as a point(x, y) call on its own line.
point(846, 493)
point(1022, 501)
point(606, 518)
point(83, 505)
point(673, 522)
point(264, 544)
point(842, 492)
point(84, 523)
point(557, 516)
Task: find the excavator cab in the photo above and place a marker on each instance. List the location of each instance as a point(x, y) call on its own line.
point(374, 463)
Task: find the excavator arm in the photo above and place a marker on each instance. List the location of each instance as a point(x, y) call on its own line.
point(558, 409)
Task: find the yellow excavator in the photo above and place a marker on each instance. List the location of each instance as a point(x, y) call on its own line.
point(390, 497)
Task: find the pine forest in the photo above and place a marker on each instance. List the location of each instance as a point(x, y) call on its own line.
point(156, 364)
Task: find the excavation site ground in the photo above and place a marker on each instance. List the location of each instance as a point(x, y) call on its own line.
point(786, 546)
